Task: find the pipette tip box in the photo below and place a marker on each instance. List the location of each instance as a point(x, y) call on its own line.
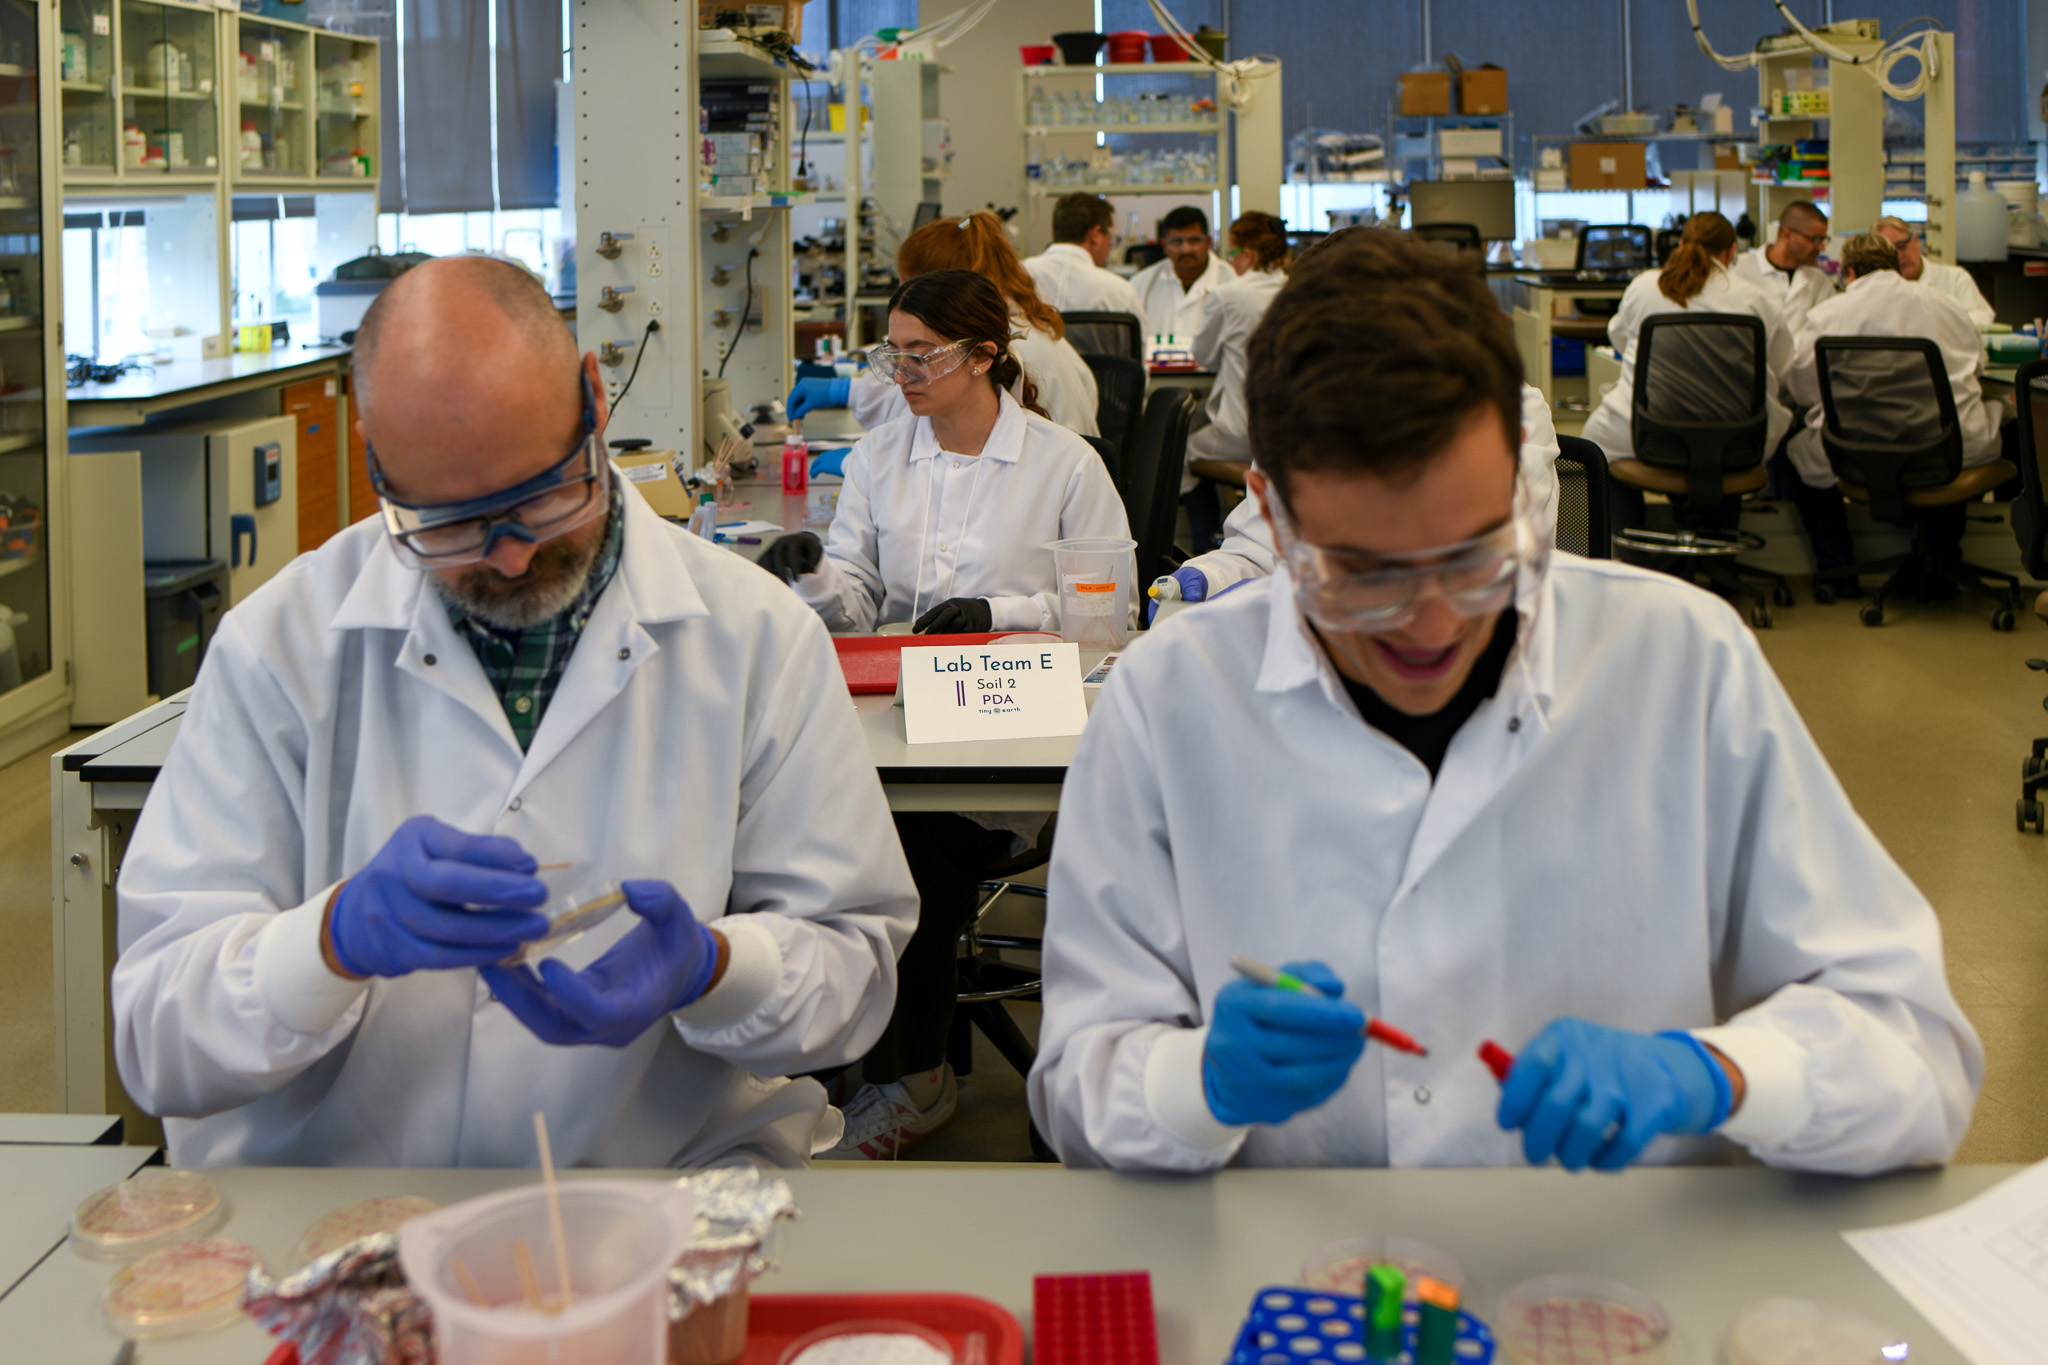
point(1093, 1320)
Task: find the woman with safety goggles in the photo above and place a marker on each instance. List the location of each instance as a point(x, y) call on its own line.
point(976, 243)
point(944, 523)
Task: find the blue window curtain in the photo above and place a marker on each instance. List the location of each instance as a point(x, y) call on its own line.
point(529, 61)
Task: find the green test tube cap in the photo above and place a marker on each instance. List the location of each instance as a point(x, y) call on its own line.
point(1384, 1286)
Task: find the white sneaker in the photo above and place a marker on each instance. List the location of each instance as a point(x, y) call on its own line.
point(882, 1123)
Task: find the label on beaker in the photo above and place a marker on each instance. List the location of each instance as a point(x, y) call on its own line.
point(1091, 598)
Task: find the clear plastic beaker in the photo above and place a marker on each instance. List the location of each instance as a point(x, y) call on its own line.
point(622, 1237)
point(1096, 578)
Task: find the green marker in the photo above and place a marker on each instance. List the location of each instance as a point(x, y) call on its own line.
point(1384, 1286)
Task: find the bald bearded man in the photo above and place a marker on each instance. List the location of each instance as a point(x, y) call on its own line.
point(330, 910)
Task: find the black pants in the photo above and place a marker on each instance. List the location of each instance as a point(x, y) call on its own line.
point(947, 855)
point(1826, 515)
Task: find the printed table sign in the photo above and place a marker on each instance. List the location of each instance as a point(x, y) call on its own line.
point(1000, 691)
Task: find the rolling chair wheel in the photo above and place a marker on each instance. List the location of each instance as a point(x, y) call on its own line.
point(2002, 619)
point(1872, 615)
point(2029, 815)
point(1823, 594)
point(1760, 616)
point(1782, 595)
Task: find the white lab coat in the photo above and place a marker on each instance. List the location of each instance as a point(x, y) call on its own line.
point(1956, 282)
point(1796, 295)
point(1171, 310)
point(1247, 549)
point(1233, 315)
point(1886, 303)
point(1068, 279)
point(916, 525)
point(1724, 292)
point(701, 735)
point(1637, 829)
point(1066, 386)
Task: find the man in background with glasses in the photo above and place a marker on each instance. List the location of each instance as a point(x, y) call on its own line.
point(516, 691)
point(1939, 276)
point(1787, 268)
point(1487, 793)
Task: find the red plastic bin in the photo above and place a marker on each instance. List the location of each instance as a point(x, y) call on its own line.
point(776, 1320)
point(1094, 1320)
point(1128, 46)
point(1167, 48)
point(872, 663)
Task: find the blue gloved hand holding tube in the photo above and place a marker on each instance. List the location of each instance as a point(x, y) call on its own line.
point(663, 963)
point(435, 898)
point(1595, 1096)
point(1273, 1053)
point(808, 395)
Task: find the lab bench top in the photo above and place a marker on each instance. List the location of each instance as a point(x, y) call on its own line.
point(142, 393)
point(39, 1188)
point(1705, 1242)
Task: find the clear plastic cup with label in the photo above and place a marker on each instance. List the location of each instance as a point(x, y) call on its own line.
point(1096, 577)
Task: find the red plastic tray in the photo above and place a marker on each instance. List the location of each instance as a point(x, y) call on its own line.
point(871, 663)
point(1094, 1320)
point(775, 1320)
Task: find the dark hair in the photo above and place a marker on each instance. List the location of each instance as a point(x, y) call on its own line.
point(1186, 216)
point(1867, 253)
point(978, 243)
point(1264, 236)
point(1077, 215)
point(1802, 208)
point(962, 306)
point(1707, 235)
point(1373, 355)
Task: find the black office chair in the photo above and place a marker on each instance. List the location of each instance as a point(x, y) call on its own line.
point(1463, 236)
point(1121, 334)
point(1700, 425)
point(1151, 486)
point(1112, 458)
point(1583, 524)
point(1667, 242)
point(1892, 435)
point(1614, 246)
point(2030, 528)
point(1119, 401)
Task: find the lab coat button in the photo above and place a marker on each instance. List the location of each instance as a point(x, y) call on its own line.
point(515, 803)
point(522, 704)
point(1514, 724)
point(1422, 1094)
point(430, 661)
point(625, 654)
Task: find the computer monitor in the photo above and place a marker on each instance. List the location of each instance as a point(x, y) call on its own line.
point(927, 212)
point(1488, 205)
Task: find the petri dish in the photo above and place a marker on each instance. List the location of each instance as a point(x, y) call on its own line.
point(1803, 1332)
point(876, 1342)
point(1340, 1266)
point(180, 1291)
point(332, 1231)
point(1581, 1320)
point(570, 918)
point(151, 1209)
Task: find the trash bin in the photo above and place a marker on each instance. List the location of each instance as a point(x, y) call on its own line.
point(184, 599)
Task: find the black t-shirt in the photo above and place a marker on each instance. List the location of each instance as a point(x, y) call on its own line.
point(1429, 737)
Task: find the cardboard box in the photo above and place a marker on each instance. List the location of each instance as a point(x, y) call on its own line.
point(1606, 165)
point(1728, 158)
point(1425, 92)
point(787, 15)
point(653, 473)
point(1483, 91)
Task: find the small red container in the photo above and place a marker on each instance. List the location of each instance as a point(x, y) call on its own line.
point(1040, 54)
point(1128, 47)
point(1167, 48)
point(872, 663)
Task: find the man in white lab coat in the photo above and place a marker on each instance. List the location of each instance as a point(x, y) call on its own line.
point(1175, 292)
point(1939, 276)
point(1557, 803)
point(1880, 301)
point(519, 664)
point(1785, 269)
point(1069, 273)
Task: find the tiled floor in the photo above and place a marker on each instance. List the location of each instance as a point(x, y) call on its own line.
point(1926, 721)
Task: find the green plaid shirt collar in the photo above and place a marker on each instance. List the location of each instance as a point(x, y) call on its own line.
point(525, 666)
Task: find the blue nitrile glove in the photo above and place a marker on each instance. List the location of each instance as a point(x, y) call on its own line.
point(660, 965)
point(830, 461)
point(1595, 1096)
point(1193, 585)
point(408, 910)
point(809, 395)
point(1273, 1053)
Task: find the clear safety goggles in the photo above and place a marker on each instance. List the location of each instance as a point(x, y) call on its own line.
point(1351, 592)
point(907, 367)
point(552, 503)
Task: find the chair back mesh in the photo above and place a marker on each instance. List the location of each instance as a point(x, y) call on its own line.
point(1699, 399)
point(1106, 334)
point(1890, 417)
point(1582, 508)
point(1119, 401)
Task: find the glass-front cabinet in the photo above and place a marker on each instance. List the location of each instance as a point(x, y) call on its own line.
point(346, 129)
point(271, 76)
point(30, 642)
point(170, 109)
point(85, 82)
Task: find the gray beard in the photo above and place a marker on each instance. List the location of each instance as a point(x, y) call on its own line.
point(551, 583)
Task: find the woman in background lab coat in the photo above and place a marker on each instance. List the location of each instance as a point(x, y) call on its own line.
point(1258, 245)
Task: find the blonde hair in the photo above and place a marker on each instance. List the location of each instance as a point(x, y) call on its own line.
point(978, 243)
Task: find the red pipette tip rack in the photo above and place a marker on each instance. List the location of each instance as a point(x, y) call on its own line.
point(1093, 1320)
point(1497, 1058)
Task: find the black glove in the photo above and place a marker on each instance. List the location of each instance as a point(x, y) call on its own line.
point(956, 616)
point(793, 556)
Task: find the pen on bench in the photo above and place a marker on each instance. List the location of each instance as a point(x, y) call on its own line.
point(1378, 1029)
